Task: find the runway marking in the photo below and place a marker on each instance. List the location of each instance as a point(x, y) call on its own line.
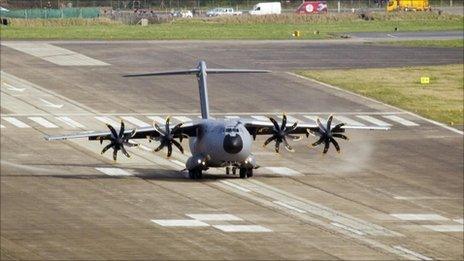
point(16, 122)
point(419, 217)
point(373, 120)
point(412, 253)
point(260, 117)
point(49, 104)
point(348, 121)
point(289, 118)
point(242, 228)
point(1, 126)
point(12, 88)
point(114, 172)
point(180, 223)
point(70, 122)
point(400, 120)
point(289, 206)
point(284, 171)
point(392, 36)
point(232, 117)
point(348, 228)
point(235, 186)
point(135, 121)
point(157, 119)
point(459, 220)
point(54, 54)
point(214, 217)
point(312, 117)
point(107, 120)
point(182, 118)
point(423, 198)
point(43, 122)
point(177, 162)
point(399, 111)
point(445, 228)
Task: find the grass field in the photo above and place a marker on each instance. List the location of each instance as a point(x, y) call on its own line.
point(441, 100)
point(456, 43)
point(246, 27)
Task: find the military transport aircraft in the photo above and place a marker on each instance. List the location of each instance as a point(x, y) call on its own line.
point(217, 142)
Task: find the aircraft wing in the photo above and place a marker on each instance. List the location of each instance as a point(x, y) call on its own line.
point(188, 129)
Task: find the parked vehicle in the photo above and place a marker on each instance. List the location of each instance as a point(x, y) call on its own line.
point(222, 11)
point(182, 13)
point(408, 5)
point(267, 8)
point(312, 7)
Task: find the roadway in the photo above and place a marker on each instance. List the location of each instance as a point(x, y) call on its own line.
point(388, 195)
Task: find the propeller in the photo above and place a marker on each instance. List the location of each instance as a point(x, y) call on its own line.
point(280, 134)
point(119, 140)
point(327, 134)
point(167, 137)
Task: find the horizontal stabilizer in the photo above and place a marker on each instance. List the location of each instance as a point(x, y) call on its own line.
point(197, 71)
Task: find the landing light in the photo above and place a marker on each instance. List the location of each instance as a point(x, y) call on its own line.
point(199, 161)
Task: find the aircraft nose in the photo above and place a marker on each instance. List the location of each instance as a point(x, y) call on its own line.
point(233, 144)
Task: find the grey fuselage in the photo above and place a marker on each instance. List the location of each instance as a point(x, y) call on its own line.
point(220, 143)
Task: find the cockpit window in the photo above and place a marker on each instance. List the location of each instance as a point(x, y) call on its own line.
point(231, 129)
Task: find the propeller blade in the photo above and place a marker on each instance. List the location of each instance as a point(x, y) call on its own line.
point(338, 128)
point(276, 125)
point(335, 143)
point(115, 154)
point(326, 147)
point(269, 140)
point(114, 134)
point(169, 149)
point(125, 152)
point(107, 147)
point(329, 122)
point(177, 144)
point(161, 146)
point(287, 146)
point(321, 139)
point(277, 146)
point(166, 127)
point(158, 129)
point(321, 127)
point(294, 138)
point(176, 128)
point(284, 122)
point(292, 128)
point(122, 129)
point(341, 136)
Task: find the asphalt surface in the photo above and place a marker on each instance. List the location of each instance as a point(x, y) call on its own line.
point(394, 194)
point(407, 36)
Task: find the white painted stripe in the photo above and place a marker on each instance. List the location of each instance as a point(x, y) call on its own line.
point(419, 217)
point(283, 171)
point(182, 118)
point(232, 117)
point(70, 122)
point(16, 122)
point(157, 119)
point(43, 122)
point(459, 220)
point(400, 120)
point(289, 206)
point(348, 228)
point(242, 228)
point(214, 217)
point(260, 117)
point(373, 120)
point(412, 253)
point(178, 162)
point(53, 54)
point(425, 197)
point(180, 223)
point(135, 121)
point(108, 120)
point(235, 186)
point(445, 228)
point(114, 171)
point(348, 121)
point(1, 126)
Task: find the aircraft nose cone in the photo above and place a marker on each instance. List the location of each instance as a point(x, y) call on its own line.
point(233, 144)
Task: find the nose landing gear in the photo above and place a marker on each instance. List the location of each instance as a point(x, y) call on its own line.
point(195, 173)
point(243, 172)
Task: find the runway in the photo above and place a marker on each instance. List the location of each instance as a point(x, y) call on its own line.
point(394, 194)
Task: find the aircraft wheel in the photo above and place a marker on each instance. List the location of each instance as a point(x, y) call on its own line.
point(243, 173)
point(195, 174)
point(227, 170)
point(234, 170)
point(249, 173)
point(199, 174)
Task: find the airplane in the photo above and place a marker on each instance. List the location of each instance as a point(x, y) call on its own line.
point(217, 143)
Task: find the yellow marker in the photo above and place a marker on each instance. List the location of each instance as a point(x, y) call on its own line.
point(296, 34)
point(425, 80)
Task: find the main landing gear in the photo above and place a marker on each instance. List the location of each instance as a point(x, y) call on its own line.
point(195, 174)
point(243, 172)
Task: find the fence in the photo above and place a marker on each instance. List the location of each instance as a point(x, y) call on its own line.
point(86, 12)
